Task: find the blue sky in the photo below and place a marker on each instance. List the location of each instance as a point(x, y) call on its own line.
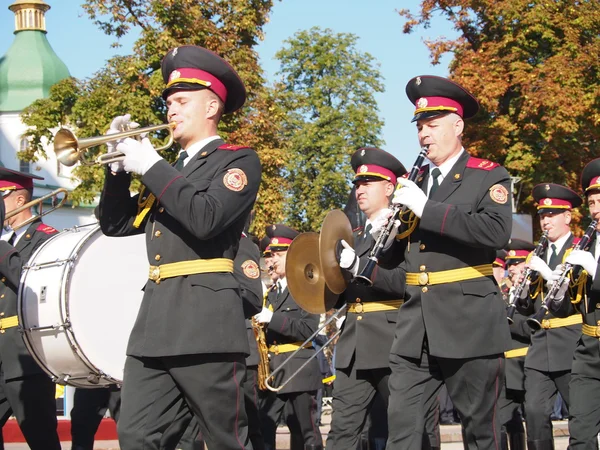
point(84, 48)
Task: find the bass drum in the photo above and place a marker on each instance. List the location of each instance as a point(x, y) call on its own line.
point(78, 300)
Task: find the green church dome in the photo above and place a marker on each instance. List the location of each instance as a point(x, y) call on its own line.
point(30, 66)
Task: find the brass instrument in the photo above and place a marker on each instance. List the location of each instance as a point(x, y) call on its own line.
point(263, 349)
point(535, 321)
point(37, 201)
point(516, 293)
point(69, 150)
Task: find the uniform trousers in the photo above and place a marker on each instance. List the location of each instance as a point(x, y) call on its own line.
point(298, 410)
point(89, 408)
point(354, 392)
point(32, 401)
point(584, 410)
point(540, 394)
point(474, 385)
point(160, 392)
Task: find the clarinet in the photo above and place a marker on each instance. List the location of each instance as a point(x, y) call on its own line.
point(518, 290)
point(535, 321)
point(364, 278)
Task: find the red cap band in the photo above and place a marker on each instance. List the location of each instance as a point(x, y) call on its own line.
point(594, 183)
point(280, 242)
point(554, 203)
point(13, 184)
point(498, 262)
point(371, 170)
point(518, 254)
point(198, 76)
point(438, 104)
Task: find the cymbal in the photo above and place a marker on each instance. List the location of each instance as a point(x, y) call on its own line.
point(336, 227)
point(304, 275)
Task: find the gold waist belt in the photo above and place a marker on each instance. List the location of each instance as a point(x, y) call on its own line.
point(590, 330)
point(389, 305)
point(178, 269)
point(516, 352)
point(558, 323)
point(286, 348)
point(8, 322)
point(449, 276)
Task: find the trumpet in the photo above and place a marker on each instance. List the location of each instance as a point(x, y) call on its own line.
point(515, 295)
point(37, 201)
point(69, 150)
point(535, 321)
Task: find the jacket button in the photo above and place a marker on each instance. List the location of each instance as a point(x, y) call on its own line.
point(161, 209)
point(28, 236)
point(157, 233)
point(2, 296)
point(422, 247)
point(598, 323)
point(422, 268)
point(3, 279)
point(357, 300)
point(359, 318)
point(424, 289)
point(157, 257)
point(597, 305)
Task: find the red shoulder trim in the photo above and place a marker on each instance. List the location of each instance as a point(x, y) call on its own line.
point(357, 228)
point(232, 147)
point(46, 229)
point(482, 164)
point(576, 241)
point(421, 172)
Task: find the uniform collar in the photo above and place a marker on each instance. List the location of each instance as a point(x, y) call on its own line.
point(197, 146)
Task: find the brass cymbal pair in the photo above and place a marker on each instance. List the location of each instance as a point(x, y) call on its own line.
point(315, 278)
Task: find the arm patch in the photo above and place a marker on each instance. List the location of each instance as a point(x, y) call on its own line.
point(482, 164)
point(47, 229)
point(232, 148)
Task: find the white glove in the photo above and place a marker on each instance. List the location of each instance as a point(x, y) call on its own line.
point(139, 156)
point(538, 265)
point(118, 124)
point(264, 316)
point(411, 196)
point(380, 222)
point(339, 321)
point(585, 260)
point(348, 259)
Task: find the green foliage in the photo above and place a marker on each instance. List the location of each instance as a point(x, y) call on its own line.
point(535, 68)
point(327, 91)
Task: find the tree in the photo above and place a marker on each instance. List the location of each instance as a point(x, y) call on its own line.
point(133, 84)
point(327, 91)
point(535, 68)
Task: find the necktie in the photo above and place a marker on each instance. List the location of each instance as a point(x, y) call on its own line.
point(179, 163)
point(435, 173)
point(278, 290)
point(554, 260)
point(12, 239)
point(367, 231)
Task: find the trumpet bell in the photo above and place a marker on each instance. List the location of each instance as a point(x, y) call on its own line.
point(336, 227)
point(305, 276)
point(66, 148)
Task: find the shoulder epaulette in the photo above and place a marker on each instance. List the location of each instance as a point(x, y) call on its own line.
point(357, 228)
point(421, 172)
point(46, 229)
point(482, 164)
point(232, 148)
point(576, 241)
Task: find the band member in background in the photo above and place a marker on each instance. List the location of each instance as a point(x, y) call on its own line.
point(288, 326)
point(584, 385)
point(549, 358)
point(363, 349)
point(26, 391)
point(188, 346)
point(452, 327)
point(510, 404)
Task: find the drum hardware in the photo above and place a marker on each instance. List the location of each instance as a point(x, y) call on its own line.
point(63, 326)
point(69, 150)
point(55, 263)
point(38, 201)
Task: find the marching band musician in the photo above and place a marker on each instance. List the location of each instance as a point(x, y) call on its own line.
point(452, 327)
point(363, 348)
point(187, 348)
point(511, 402)
point(287, 327)
point(584, 385)
point(549, 358)
point(26, 391)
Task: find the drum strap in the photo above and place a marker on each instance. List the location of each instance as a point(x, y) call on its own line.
point(8, 322)
point(178, 269)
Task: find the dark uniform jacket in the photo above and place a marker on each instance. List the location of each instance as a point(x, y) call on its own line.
point(247, 272)
point(551, 350)
point(291, 324)
point(368, 336)
point(16, 359)
point(463, 224)
point(199, 214)
point(520, 335)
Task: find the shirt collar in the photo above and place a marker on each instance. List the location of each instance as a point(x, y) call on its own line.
point(196, 147)
point(559, 243)
point(446, 165)
point(283, 283)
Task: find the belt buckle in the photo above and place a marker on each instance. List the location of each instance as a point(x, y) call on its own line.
point(275, 349)
point(423, 278)
point(597, 332)
point(545, 324)
point(154, 273)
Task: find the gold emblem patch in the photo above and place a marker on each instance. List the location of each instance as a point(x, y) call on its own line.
point(250, 269)
point(235, 180)
point(499, 194)
point(175, 75)
point(512, 253)
point(363, 169)
point(275, 241)
point(547, 201)
point(422, 102)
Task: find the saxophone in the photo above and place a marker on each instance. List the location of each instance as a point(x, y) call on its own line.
point(264, 371)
